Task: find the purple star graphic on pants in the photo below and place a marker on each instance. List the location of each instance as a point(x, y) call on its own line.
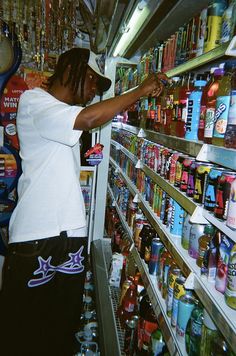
point(47, 270)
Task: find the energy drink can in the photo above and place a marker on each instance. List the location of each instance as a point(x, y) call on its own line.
point(177, 219)
point(211, 186)
point(200, 182)
point(185, 173)
point(179, 168)
point(179, 291)
point(191, 178)
point(197, 230)
point(172, 170)
point(174, 273)
point(156, 247)
point(186, 231)
point(231, 214)
point(223, 194)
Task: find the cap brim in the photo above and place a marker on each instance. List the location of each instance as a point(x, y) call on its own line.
point(104, 82)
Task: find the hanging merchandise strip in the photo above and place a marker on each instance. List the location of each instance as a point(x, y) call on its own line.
point(45, 28)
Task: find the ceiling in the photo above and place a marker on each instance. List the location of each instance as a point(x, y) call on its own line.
point(102, 22)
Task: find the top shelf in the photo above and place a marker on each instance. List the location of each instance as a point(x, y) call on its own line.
point(197, 62)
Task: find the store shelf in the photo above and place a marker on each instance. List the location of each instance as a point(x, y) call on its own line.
point(223, 316)
point(159, 307)
point(197, 62)
point(191, 148)
point(220, 155)
point(220, 224)
point(105, 309)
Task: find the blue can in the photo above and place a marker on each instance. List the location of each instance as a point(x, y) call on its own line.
point(211, 186)
point(156, 248)
point(185, 308)
point(177, 219)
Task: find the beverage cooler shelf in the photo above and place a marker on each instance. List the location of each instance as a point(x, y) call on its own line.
point(213, 301)
point(199, 61)
point(203, 152)
point(100, 251)
point(199, 214)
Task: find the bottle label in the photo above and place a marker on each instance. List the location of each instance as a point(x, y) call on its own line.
point(221, 116)
point(232, 109)
point(209, 123)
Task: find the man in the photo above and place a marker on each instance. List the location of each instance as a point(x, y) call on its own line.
point(45, 266)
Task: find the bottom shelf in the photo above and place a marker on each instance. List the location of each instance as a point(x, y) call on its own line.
point(110, 336)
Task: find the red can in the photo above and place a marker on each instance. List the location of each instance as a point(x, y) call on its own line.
point(223, 194)
point(172, 171)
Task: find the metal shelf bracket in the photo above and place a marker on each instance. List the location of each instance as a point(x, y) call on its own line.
point(197, 216)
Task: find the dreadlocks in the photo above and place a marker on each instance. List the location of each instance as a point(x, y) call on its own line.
point(77, 59)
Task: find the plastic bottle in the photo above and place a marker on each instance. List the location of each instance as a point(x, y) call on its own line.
point(201, 126)
point(186, 87)
point(230, 292)
point(222, 105)
point(211, 105)
point(175, 94)
point(215, 12)
point(230, 134)
point(194, 331)
point(209, 333)
point(193, 110)
point(228, 22)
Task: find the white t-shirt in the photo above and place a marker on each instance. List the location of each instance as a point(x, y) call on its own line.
point(50, 199)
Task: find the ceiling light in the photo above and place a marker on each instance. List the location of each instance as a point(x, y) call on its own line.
point(136, 21)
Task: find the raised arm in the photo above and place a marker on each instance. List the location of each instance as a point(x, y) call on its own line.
point(98, 114)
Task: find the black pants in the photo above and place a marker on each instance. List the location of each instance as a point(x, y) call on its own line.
point(41, 298)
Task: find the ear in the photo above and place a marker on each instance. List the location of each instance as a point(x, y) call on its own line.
point(66, 73)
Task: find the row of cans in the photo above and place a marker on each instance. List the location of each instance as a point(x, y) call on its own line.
point(205, 183)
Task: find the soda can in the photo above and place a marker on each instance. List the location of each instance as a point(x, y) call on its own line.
point(174, 273)
point(169, 212)
point(179, 290)
point(167, 164)
point(231, 214)
point(200, 182)
point(156, 247)
point(160, 193)
point(201, 32)
point(223, 194)
point(172, 170)
point(211, 186)
point(177, 219)
point(163, 203)
point(185, 173)
point(179, 167)
point(197, 230)
point(186, 231)
point(191, 178)
point(186, 305)
point(167, 209)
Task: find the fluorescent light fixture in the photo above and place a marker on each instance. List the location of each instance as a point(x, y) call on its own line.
point(136, 21)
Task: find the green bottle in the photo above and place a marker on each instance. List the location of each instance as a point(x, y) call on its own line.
point(219, 347)
point(194, 331)
point(209, 333)
point(157, 344)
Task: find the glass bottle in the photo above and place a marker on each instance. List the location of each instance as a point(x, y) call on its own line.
point(222, 105)
point(230, 134)
point(129, 304)
point(209, 333)
point(219, 347)
point(147, 322)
